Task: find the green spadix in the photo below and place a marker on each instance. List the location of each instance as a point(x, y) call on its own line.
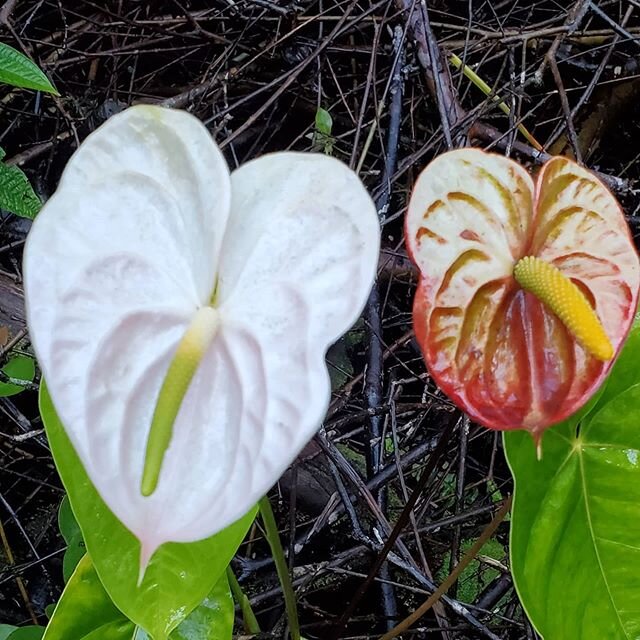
point(189, 353)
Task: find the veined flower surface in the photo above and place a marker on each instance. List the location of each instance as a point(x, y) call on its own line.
point(497, 349)
point(147, 229)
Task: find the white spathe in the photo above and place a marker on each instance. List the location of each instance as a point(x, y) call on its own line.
point(145, 223)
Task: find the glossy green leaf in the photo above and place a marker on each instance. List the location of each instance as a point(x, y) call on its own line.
point(575, 533)
point(20, 368)
point(31, 632)
point(212, 619)
point(178, 577)
point(85, 612)
point(6, 630)
point(16, 193)
point(17, 70)
point(626, 371)
point(72, 535)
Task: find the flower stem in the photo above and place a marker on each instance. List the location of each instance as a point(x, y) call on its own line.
point(273, 538)
point(248, 617)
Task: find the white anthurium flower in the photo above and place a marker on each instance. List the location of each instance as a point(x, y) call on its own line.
point(162, 290)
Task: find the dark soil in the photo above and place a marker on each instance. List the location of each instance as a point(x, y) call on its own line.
point(256, 72)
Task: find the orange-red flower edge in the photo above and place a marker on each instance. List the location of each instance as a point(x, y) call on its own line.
point(497, 350)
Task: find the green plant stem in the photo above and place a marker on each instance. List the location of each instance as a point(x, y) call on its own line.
point(488, 91)
point(248, 617)
point(273, 538)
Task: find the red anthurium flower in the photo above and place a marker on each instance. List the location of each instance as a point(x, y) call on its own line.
point(527, 290)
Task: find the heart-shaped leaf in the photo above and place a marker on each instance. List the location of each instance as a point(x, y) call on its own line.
point(510, 359)
point(575, 531)
point(85, 612)
point(178, 577)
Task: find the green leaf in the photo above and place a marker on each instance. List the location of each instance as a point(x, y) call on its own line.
point(31, 632)
point(575, 533)
point(494, 493)
point(324, 121)
point(388, 445)
point(476, 575)
point(17, 70)
point(626, 372)
point(72, 535)
point(21, 368)
point(85, 612)
point(178, 577)
point(339, 364)
point(16, 192)
point(322, 139)
point(6, 630)
point(212, 619)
